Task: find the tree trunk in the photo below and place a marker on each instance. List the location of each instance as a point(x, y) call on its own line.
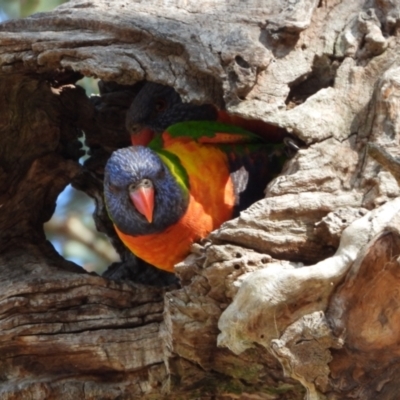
point(298, 296)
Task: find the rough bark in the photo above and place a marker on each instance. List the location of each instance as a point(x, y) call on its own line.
point(298, 296)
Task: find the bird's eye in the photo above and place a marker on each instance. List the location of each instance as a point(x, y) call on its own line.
point(160, 105)
point(161, 173)
point(144, 183)
point(112, 187)
point(147, 183)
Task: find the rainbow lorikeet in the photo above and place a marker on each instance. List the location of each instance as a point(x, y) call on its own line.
point(156, 107)
point(186, 183)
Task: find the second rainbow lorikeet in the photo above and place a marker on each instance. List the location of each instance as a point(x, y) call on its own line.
point(186, 183)
point(156, 107)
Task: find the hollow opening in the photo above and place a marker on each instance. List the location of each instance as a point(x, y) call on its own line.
point(161, 103)
point(74, 231)
point(73, 234)
point(71, 229)
point(321, 76)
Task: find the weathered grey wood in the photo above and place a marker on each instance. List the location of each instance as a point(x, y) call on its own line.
point(249, 320)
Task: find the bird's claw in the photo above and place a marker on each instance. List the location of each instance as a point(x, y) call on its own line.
point(291, 143)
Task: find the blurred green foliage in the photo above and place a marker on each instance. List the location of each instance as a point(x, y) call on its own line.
point(23, 8)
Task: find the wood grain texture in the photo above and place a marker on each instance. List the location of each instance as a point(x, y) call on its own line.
point(295, 297)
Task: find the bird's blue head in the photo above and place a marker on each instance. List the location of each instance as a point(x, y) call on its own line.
point(129, 173)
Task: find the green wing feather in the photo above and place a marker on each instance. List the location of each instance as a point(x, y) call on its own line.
point(199, 130)
point(176, 168)
point(207, 132)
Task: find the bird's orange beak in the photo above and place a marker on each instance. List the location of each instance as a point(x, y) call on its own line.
point(143, 137)
point(143, 199)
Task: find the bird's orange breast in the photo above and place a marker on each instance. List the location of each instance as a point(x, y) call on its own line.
point(211, 203)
